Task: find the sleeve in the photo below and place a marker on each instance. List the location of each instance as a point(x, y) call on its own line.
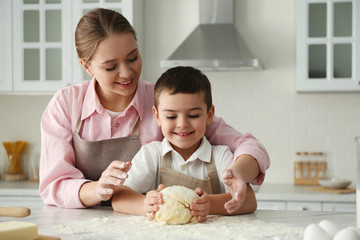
point(142, 176)
point(220, 133)
point(60, 180)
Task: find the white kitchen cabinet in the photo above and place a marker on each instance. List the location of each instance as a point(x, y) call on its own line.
point(303, 206)
point(271, 205)
point(328, 45)
point(306, 206)
point(339, 207)
point(37, 52)
point(24, 201)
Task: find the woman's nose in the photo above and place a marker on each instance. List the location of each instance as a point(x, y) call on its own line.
point(125, 71)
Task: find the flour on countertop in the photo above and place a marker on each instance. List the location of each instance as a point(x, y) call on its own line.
point(216, 227)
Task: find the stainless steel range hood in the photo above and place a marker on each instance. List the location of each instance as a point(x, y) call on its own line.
point(215, 43)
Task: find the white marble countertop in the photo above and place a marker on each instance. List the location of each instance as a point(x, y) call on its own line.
point(21, 188)
point(266, 192)
point(103, 223)
point(290, 192)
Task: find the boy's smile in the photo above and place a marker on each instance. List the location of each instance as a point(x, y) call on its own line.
point(183, 119)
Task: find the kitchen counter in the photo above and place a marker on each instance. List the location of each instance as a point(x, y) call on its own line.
point(103, 223)
point(275, 192)
point(21, 188)
point(290, 192)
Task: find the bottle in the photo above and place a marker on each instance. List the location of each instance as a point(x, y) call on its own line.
point(297, 165)
point(306, 165)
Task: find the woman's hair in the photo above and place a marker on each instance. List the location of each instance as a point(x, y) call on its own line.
point(183, 80)
point(95, 26)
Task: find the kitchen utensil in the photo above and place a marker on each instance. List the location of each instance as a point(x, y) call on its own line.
point(334, 183)
point(332, 190)
point(14, 151)
point(17, 212)
point(309, 172)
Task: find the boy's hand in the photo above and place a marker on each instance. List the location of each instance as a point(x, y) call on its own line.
point(152, 200)
point(236, 185)
point(113, 176)
point(200, 207)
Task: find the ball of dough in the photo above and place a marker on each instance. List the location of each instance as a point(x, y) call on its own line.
point(176, 206)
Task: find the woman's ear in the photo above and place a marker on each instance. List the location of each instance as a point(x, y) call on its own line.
point(86, 67)
point(156, 114)
point(211, 114)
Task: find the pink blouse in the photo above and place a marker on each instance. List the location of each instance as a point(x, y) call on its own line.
point(60, 180)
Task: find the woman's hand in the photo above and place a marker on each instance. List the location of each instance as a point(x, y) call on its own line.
point(152, 200)
point(200, 207)
point(113, 176)
point(236, 185)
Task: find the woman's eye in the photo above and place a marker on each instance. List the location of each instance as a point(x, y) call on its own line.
point(133, 59)
point(110, 69)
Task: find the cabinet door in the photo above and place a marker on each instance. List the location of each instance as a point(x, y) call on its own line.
point(303, 206)
point(42, 39)
point(5, 47)
point(44, 55)
point(339, 207)
point(328, 45)
point(271, 205)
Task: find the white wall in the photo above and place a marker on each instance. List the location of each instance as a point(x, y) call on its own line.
point(264, 103)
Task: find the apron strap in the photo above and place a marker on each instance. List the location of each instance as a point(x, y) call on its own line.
point(211, 169)
point(78, 125)
point(166, 160)
point(135, 131)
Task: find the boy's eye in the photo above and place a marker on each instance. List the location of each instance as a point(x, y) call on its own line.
point(194, 116)
point(170, 117)
point(110, 69)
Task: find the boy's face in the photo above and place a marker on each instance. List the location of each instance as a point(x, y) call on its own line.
point(183, 119)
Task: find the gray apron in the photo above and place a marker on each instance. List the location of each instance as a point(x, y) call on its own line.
point(93, 157)
point(170, 177)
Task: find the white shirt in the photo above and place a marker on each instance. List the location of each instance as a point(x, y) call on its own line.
point(144, 174)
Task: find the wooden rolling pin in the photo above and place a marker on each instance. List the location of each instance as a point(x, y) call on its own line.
point(17, 212)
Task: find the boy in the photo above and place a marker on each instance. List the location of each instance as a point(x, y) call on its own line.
point(183, 109)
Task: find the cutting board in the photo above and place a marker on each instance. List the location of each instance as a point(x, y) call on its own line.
point(333, 190)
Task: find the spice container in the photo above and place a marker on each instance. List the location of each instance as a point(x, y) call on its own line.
point(308, 169)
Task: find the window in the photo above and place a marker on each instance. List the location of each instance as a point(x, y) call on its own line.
point(328, 56)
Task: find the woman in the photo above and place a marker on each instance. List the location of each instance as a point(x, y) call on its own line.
point(91, 130)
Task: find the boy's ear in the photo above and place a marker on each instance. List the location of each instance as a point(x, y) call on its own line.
point(156, 114)
point(211, 114)
point(86, 67)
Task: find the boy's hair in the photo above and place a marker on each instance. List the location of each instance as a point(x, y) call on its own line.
point(183, 80)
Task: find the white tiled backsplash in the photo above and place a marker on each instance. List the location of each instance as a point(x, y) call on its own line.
point(264, 103)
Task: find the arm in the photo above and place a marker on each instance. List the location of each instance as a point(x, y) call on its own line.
point(220, 133)
point(61, 183)
point(214, 204)
point(128, 201)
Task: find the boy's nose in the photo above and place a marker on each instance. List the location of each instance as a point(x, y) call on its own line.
point(182, 122)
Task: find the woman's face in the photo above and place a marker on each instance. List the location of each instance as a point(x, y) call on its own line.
point(116, 65)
